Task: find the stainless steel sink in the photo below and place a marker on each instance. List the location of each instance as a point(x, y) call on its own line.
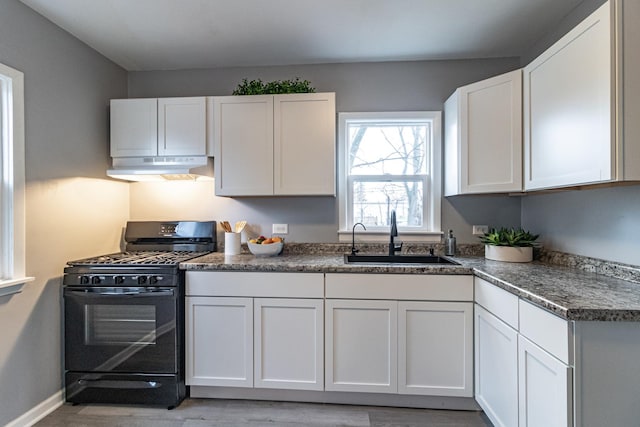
point(397, 259)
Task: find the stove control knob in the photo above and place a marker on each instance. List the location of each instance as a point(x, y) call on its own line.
point(153, 280)
point(142, 280)
point(84, 280)
point(95, 280)
point(118, 280)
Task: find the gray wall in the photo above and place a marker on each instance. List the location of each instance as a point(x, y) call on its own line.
point(581, 11)
point(390, 86)
point(67, 88)
point(601, 223)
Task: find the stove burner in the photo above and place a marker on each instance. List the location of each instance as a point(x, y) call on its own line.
point(138, 258)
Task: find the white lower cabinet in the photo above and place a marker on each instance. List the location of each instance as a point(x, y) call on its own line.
point(219, 341)
point(288, 343)
point(369, 333)
point(434, 348)
point(236, 340)
point(496, 368)
point(524, 372)
point(407, 345)
point(545, 390)
point(361, 346)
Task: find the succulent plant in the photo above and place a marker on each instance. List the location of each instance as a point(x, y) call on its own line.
point(509, 237)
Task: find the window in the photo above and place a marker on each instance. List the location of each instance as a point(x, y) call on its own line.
point(12, 232)
point(390, 161)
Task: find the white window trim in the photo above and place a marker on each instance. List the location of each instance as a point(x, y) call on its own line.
point(12, 216)
point(433, 205)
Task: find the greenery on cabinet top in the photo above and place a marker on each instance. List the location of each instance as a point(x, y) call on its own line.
point(257, 87)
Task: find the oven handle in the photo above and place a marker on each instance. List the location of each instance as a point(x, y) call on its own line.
point(137, 292)
point(119, 384)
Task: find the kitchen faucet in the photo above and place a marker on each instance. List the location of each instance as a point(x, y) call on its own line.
point(393, 247)
point(353, 237)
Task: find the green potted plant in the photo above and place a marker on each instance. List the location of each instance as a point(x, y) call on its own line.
point(257, 87)
point(509, 244)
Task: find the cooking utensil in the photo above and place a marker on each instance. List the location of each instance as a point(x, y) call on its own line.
point(240, 226)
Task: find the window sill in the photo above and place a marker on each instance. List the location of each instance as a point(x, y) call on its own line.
point(383, 237)
point(13, 286)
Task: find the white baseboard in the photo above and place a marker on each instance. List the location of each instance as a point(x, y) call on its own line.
point(39, 411)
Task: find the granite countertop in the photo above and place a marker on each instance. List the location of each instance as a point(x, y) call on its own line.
point(568, 292)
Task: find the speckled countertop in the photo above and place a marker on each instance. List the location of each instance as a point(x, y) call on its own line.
point(571, 293)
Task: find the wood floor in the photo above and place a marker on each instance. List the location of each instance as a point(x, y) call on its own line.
point(213, 412)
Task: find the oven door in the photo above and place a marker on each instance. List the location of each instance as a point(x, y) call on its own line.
point(121, 329)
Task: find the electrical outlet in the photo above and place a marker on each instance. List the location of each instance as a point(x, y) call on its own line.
point(479, 230)
point(280, 229)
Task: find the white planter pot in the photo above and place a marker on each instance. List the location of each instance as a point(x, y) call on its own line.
point(508, 253)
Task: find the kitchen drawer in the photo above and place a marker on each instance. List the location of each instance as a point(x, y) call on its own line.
point(499, 302)
point(400, 287)
point(547, 330)
point(255, 284)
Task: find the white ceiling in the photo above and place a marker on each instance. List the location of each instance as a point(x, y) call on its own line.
point(182, 34)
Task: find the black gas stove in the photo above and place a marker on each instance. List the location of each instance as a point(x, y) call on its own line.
point(128, 268)
point(137, 258)
point(124, 316)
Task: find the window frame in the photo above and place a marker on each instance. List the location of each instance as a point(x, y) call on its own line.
point(12, 179)
point(431, 230)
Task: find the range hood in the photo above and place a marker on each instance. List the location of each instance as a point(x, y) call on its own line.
point(162, 168)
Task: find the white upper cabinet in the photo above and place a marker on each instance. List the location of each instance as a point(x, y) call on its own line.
point(304, 144)
point(483, 136)
point(568, 108)
point(182, 126)
point(158, 127)
point(275, 144)
point(134, 127)
point(580, 97)
point(243, 147)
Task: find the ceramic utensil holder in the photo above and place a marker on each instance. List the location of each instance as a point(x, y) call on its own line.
point(232, 243)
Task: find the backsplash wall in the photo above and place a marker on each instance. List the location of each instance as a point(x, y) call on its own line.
point(600, 223)
point(388, 86)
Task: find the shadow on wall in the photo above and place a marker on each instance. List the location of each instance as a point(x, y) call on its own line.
point(459, 213)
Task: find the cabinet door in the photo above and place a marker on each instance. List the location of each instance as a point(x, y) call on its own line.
point(491, 135)
point(304, 144)
point(219, 341)
point(361, 346)
point(496, 368)
point(182, 126)
point(288, 344)
point(134, 127)
point(243, 145)
point(435, 348)
point(568, 108)
point(545, 391)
